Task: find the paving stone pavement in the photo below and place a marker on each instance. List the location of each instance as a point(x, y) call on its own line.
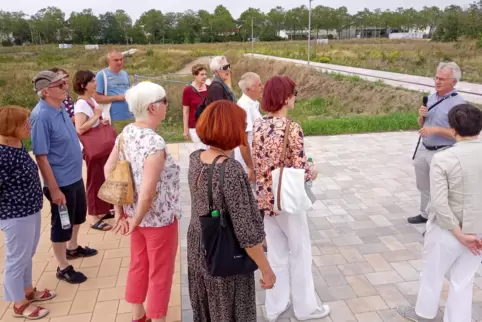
point(366, 257)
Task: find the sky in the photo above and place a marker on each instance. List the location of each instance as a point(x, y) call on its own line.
point(136, 8)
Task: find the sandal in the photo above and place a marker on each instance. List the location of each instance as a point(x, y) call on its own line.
point(143, 319)
point(109, 215)
point(39, 296)
point(30, 311)
point(80, 252)
point(101, 225)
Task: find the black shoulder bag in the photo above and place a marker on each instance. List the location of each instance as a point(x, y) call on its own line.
point(429, 109)
point(222, 253)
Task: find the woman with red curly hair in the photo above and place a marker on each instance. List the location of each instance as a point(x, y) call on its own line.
point(287, 235)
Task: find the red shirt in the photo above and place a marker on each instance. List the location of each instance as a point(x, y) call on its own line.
point(190, 97)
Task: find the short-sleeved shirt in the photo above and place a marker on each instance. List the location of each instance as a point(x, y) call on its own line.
point(81, 106)
point(251, 108)
point(438, 116)
point(20, 189)
point(191, 98)
point(138, 144)
point(117, 84)
point(53, 134)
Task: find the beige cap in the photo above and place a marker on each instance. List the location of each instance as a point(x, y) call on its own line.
point(43, 79)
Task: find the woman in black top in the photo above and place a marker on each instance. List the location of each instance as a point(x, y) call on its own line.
point(21, 201)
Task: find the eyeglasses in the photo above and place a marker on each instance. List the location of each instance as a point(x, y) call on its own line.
point(295, 93)
point(60, 85)
point(226, 67)
point(162, 100)
point(441, 79)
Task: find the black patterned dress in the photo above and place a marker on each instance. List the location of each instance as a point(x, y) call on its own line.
point(222, 299)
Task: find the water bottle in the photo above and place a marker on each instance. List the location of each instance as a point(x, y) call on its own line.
point(64, 217)
point(309, 185)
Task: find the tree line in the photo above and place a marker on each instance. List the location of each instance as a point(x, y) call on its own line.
point(51, 25)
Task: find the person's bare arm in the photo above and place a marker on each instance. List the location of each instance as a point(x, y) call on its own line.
point(46, 171)
point(83, 123)
point(153, 167)
point(185, 120)
point(103, 99)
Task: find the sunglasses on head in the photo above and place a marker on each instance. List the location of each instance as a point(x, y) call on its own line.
point(226, 67)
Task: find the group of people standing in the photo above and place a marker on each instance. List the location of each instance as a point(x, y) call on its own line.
point(230, 174)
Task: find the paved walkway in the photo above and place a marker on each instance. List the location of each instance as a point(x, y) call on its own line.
point(101, 297)
point(471, 92)
point(366, 257)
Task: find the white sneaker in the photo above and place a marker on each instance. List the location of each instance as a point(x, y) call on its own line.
point(273, 318)
point(319, 313)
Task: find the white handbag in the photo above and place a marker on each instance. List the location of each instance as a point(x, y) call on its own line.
point(105, 107)
point(289, 185)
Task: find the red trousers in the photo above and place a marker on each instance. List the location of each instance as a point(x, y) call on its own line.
point(153, 255)
point(95, 179)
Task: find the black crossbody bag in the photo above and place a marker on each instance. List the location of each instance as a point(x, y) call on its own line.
point(429, 109)
point(223, 256)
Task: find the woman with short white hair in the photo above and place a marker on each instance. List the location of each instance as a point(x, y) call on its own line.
point(152, 220)
point(221, 87)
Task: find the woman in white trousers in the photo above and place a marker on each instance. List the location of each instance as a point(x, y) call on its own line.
point(452, 241)
point(287, 235)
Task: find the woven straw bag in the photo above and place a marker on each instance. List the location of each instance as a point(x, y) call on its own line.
point(118, 188)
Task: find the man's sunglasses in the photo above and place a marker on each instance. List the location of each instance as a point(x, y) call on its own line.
point(226, 67)
point(295, 93)
point(60, 85)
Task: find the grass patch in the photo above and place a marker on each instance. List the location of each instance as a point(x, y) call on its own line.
point(361, 124)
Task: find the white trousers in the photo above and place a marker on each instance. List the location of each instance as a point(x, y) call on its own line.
point(444, 255)
point(289, 254)
point(196, 140)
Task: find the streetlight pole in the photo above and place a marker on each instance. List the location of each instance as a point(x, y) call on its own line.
point(309, 31)
point(252, 36)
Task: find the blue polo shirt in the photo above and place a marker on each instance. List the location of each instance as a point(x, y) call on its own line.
point(117, 84)
point(439, 116)
point(54, 135)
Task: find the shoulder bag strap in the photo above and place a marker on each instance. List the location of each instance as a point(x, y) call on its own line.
point(210, 182)
point(429, 109)
point(282, 160)
point(105, 82)
point(197, 92)
point(224, 209)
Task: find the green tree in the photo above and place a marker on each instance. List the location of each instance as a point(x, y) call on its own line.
point(259, 23)
point(451, 25)
point(49, 23)
point(152, 23)
point(85, 26)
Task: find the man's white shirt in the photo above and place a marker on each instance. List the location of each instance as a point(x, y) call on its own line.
point(251, 108)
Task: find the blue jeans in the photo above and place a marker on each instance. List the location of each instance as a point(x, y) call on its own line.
point(21, 239)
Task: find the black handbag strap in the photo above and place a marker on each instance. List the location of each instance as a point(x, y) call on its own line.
point(210, 181)
point(203, 99)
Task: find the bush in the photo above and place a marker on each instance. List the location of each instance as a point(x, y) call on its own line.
point(7, 43)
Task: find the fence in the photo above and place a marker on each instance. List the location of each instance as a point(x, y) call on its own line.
point(171, 129)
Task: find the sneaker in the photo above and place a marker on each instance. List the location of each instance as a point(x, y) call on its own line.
point(273, 318)
point(80, 252)
point(408, 312)
point(417, 220)
point(319, 313)
point(70, 275)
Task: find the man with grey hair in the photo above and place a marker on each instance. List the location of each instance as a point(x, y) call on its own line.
point(56, 147)
point(435, 130)
point(112, 83)
point(252, 88)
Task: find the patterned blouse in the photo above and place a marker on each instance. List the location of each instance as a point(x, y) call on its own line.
point(69, 106)
point(268, 139)
point(138, 144)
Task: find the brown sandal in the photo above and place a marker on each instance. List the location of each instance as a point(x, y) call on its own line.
point(40, 296)
point(30, 311)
